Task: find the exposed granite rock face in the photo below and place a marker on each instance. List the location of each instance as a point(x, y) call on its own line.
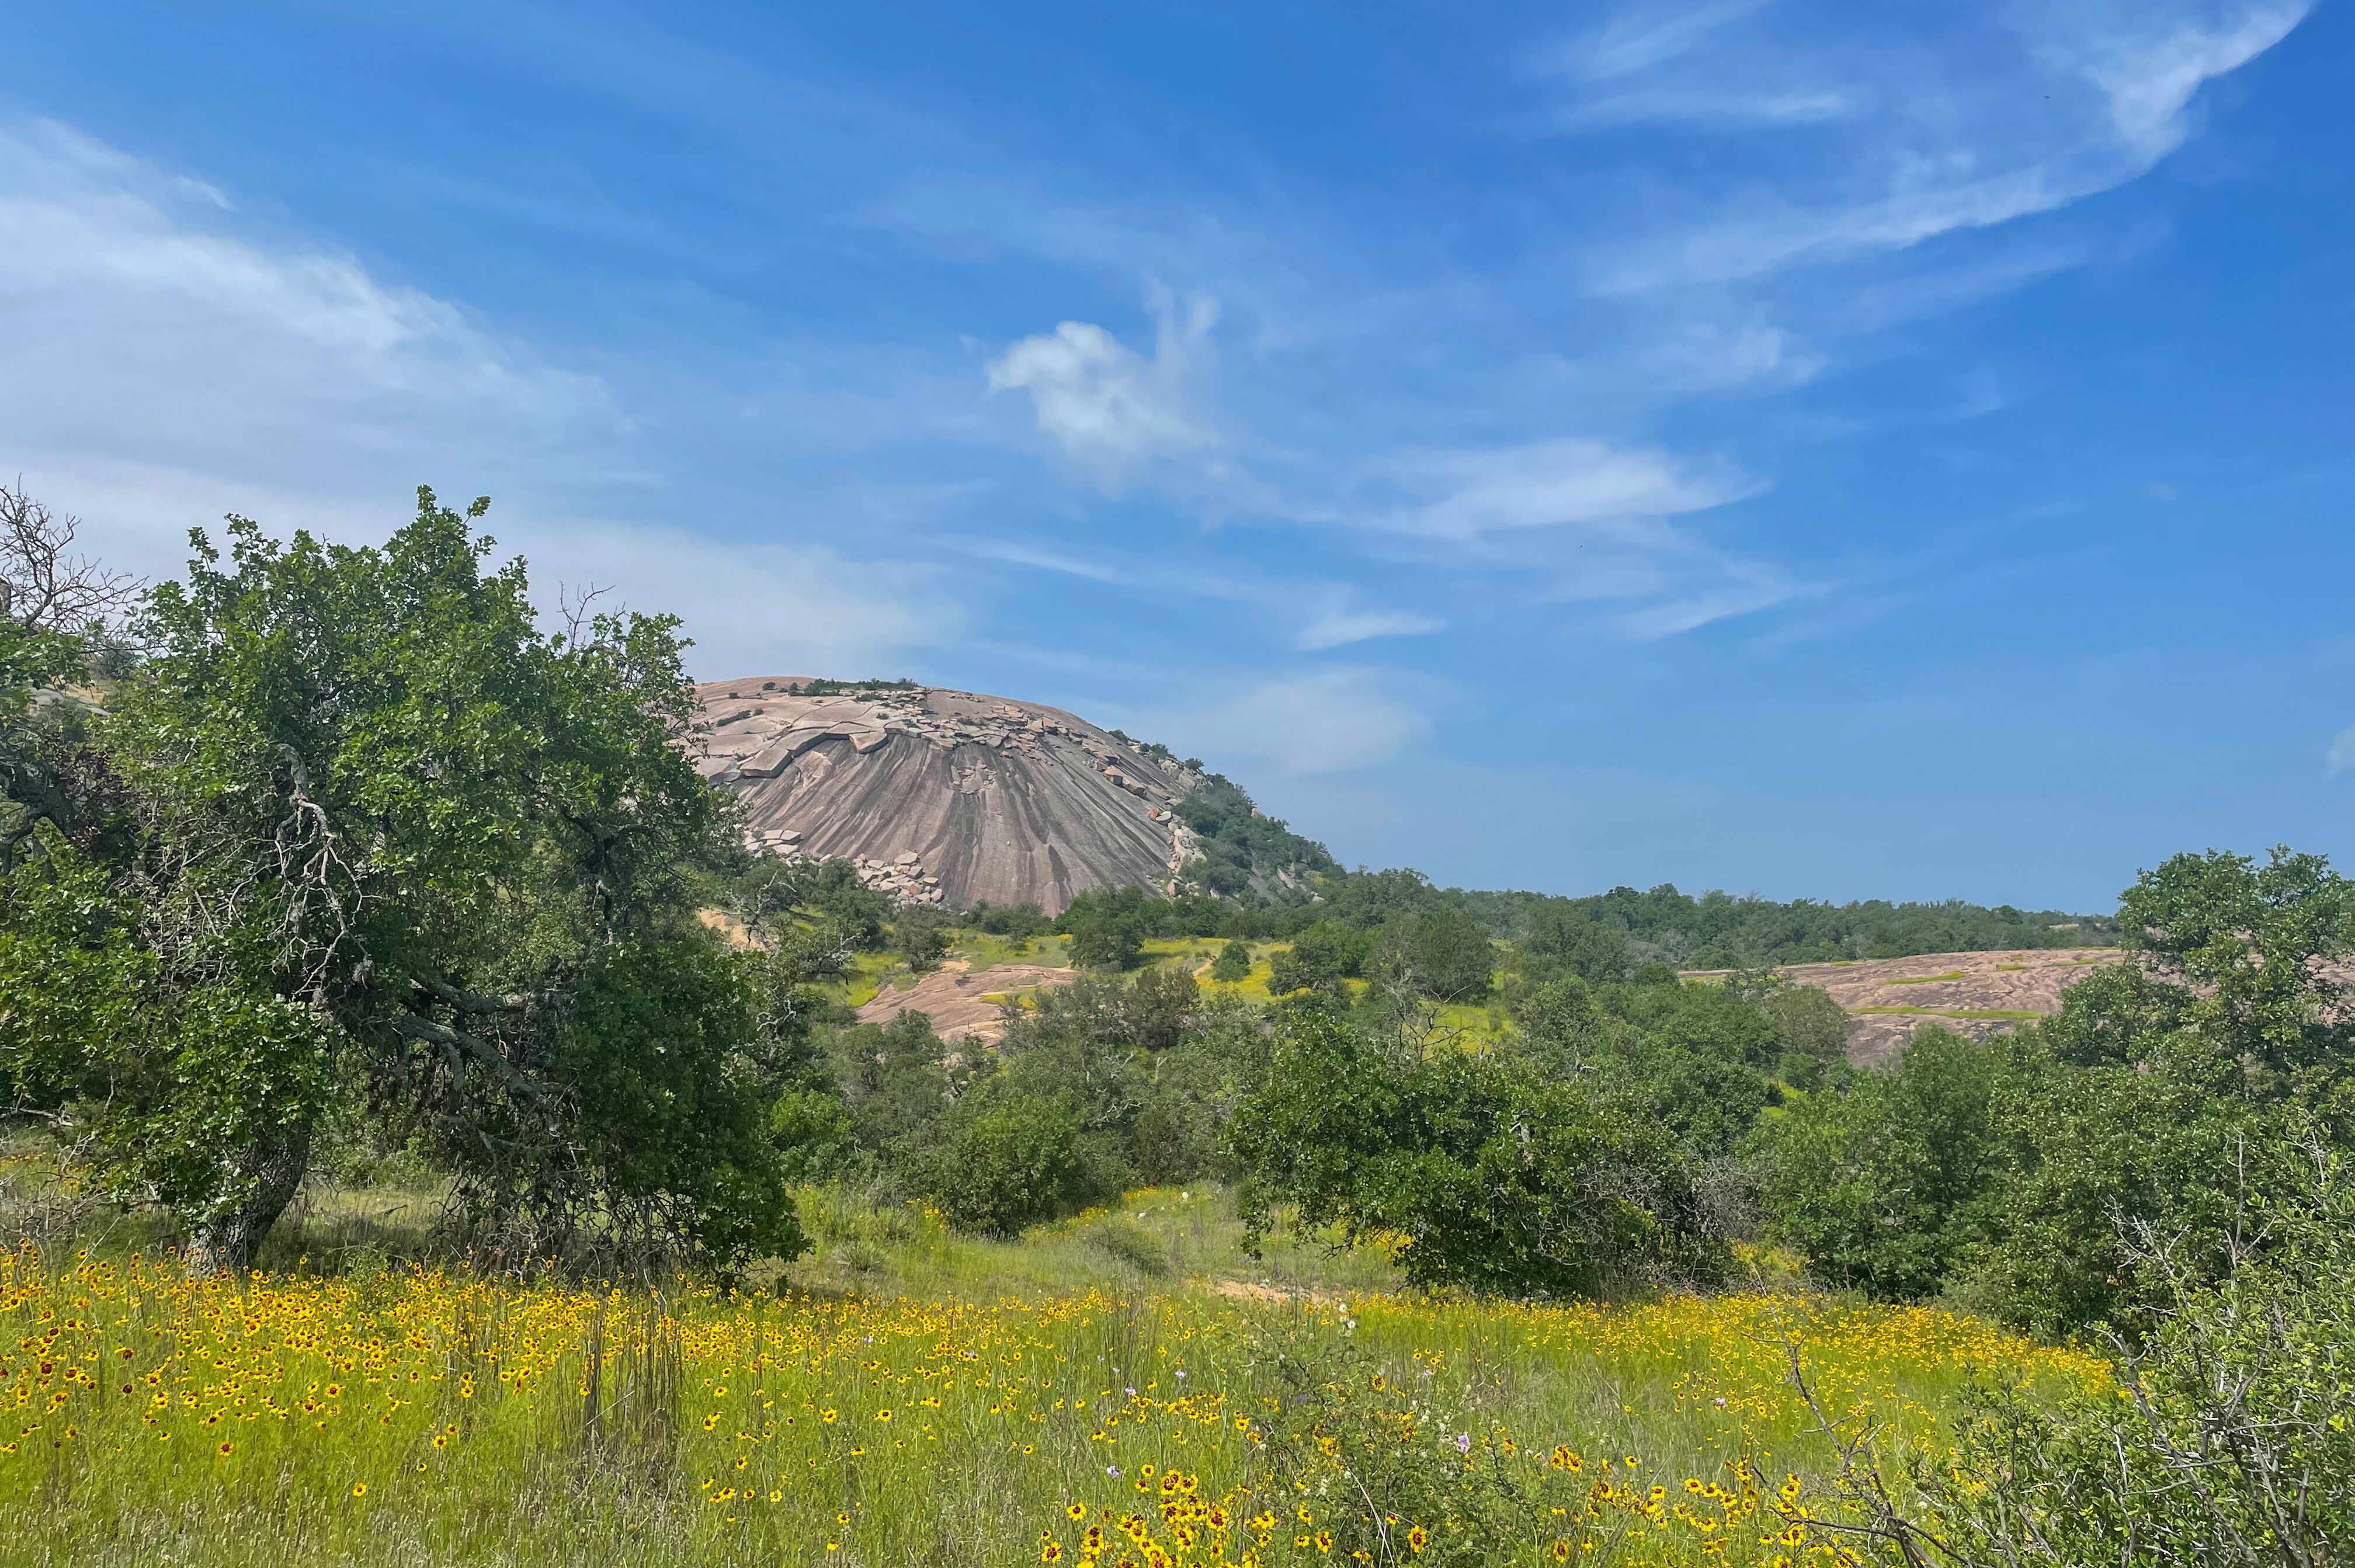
point(945, 797)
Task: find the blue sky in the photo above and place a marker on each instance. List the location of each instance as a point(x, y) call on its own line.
point(1805, 449)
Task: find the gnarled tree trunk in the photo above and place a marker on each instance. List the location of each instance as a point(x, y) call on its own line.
point(269, 1178)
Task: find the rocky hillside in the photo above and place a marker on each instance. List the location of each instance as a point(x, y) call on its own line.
point(947, 797)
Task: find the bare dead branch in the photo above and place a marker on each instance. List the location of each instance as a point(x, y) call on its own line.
point(413, 1026)
point(44, 586)
point(573, 605)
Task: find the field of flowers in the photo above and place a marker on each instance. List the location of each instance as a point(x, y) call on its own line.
point(416, 1415)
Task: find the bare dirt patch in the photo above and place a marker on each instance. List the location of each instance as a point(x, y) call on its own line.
point(733, 932)
point(963, 1005)
point(1976, 994)
point(1253, 1290)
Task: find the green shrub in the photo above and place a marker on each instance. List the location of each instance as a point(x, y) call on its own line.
point(1021, 921)
point(1479, 1171)
point(1814, 1032)
point(918, 938)
point(1881, 1185)
point(1442, 953)
point(1002, 1160)
point(2227, 1439)
point(1108, 928)
point(1138, 1246)
point(677, 1143)
point(1321, 956)
point(1386, 1474)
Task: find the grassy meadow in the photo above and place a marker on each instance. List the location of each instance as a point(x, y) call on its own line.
point(1124, 1387)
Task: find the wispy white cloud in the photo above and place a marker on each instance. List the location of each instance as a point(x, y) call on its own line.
point(1343, 621)
point(1694, 347)
point(2151, 73)
point(1725, 589)
point(1109, 410)
point(1645, 37)
point(1013, 553)
point(1730, 109)
point(1953, 122)
point(2341, 758)
point(1325, 720)
point(1117, 416)
point(1586, 522)
point(1918, 125)
point(149, 322)
point(1568, 481)
point(171, 361)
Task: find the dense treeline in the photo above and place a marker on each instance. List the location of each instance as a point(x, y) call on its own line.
point(1718, 931)
point(1605, 936)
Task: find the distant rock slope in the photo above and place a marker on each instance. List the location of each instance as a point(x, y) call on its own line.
point(963, 1005)
point(945, 797)
point(1976, 994)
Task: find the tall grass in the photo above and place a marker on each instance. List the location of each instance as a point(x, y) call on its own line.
point(908, 1397)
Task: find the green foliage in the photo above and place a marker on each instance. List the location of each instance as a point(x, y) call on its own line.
point(2233, 1033)
point(1145, 1013)
point(1564, 1029)
point(2227, 1440)
point(78, 982)
point(1814, 1032)
point(1004, 1159)
point(670, 1123)
point(812, 1133)
point(1021, 921)
point(1233, 964)
point(1381, 1462)
point(1884, 1184)
point(921, 938)
point(1479, 1172)
point(1108, 928)
point(2238, 944)
point(1153, 1071)
point(2022, 1177)
point(1147, 1074)
point(894, 1083)
point(1320, 957)
point(1083, 1045)
point(1192, 915)
point(48, 771)
point(1440, 953)
point(223, 1077)
point(1370, 900)
point(1691, 1058)
point(772, 896)
point(1241, 852)
point(1562, 936)
point(821, 687)
point(2087, 1149)
point(1193, 1092)
point(1600, 937)
point(394, 845)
